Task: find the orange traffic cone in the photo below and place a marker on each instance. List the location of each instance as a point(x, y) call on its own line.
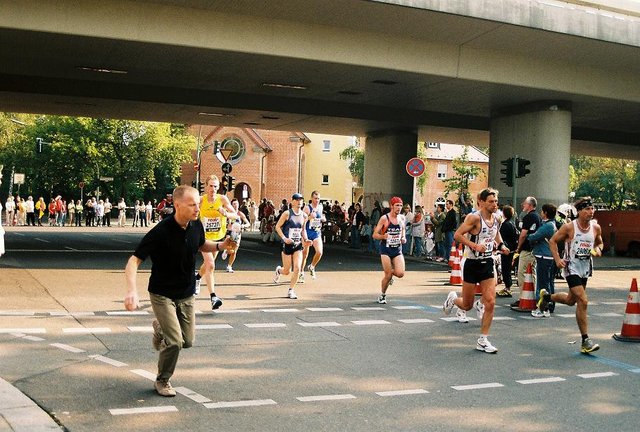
point(456, 273)
point(453, 254)
point(527, 301)
point(478, 290)
point(631, 323)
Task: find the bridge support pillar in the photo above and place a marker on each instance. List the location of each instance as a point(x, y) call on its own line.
point(385, 175)
point(541, 133)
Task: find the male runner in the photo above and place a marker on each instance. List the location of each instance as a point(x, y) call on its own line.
point(391, 231)
point(479, 233)
point(215, 209)
point(290, 228)
point(315, 218)
point(233, 252)
point(583, 239)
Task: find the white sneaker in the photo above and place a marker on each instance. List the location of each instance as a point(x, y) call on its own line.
point(276, 278)
point(224, 254)
point(547, 313)
point(538, 314)
point(301, 278)
point(312, 271)
point(382, 299)
point(479, 307)
point(292, 294)
point(448, 303)
point(229, 269)
point(483, 344)
point(198, 283)
point(462, 316)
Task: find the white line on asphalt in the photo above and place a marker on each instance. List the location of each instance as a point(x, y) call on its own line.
point(325, 397)
point(67, 348)
point(320, 324)
point(503, 318)
point(326, 309)
point(18, 234)
point(144, 374)
point(42, 240)
point(402, 392)
point(608, 314)
point(370, 322)
point(140, 329)
point(196, 397)
point(612, 303)
point(146, 410)
point(231, 311)
point(17, 313)
point(368, 308)
point(70, 248)
point(126, 313)
point(634, 370)
point(58, 313)
point(238, 404)
point(406, 307)
point(38, 330)
point(213, 326)
point(597, 375)
point(565, 315)
point(541, 380)
point(18, 335)
point(281, 310)
point(477, 386)
point(107, 360)
point(415, 320)
point(33, 338)
point(265, 325)
point(86, 330)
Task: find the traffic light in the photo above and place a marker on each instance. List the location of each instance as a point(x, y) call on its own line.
point(507, 171)
point(201, 188)
point(230, 185)
point(224, 184)
point(522, 168)
point(38, 145)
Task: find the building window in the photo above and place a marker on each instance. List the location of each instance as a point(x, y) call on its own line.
point(326, 145)
point(433, 145)
point(442, 171)
point(325, 179)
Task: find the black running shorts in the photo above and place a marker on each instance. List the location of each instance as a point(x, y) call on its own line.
point(477, 270)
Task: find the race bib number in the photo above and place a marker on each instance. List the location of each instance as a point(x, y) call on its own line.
point(295, 234)
point(315, 224)
point(583, 250)
point(211, 224)
point(488, 244)
point(394, 238)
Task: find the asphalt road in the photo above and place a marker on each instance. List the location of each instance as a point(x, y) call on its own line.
point(333, 360)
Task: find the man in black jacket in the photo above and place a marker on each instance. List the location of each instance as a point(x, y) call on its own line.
point(448, 228)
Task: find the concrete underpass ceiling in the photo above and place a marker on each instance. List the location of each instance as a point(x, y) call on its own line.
point(40, 73)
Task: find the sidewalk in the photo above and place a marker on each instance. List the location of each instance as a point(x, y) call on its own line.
point(20, 414)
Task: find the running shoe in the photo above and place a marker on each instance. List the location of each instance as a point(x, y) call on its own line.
point(547, 313)
point(276, 278)
point(224, 254)
point(479, 307)
point(483, 344)
point(504, 293)
point(164, 388)
point(543, 303)
point(589, 346)
point(301, 278)
point(292, 294)
point(312, 271)
point(382, 299)
point(462, 316)
point(230, 269)
point(449, 303)
point(538, 314)
point(216, 302)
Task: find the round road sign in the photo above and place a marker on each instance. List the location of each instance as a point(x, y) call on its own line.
point(415, 167)
point(226, 168)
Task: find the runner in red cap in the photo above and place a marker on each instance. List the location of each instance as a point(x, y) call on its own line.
point(391, 231)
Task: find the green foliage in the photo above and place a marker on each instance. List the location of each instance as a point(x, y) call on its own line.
point(464, 171)
point(144, 158)
point(421, 181)
point(355, 156)
point(615, 182)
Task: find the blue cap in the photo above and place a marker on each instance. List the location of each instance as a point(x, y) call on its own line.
point(297, 196)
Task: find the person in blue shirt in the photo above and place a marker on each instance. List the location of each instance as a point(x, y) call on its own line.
point(545, 266)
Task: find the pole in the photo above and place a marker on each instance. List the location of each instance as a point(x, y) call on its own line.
point(514, 188)
point(198, 152)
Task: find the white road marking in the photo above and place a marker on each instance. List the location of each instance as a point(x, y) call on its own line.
point(231, 311)
point(86, 330)
point(126, 313)
point(325, 398)
point(146, 410)
point(67, 348)
point(320, 324)
point(368, 308)
point(237, 404)
point(370, 322)
point(406, 307)
point(213, 326)
point(196, 397)
point(140, 329)
point(326, 309)
point(565, 315)
point(70, 248)
point(402, 392)
point(415, 320)
point(634, 370)
point(612, 303)
point(280, 310)
point(18, 335)
point(58, 313)
point(42, 240)
point(503, 318)
point(34, 338)
point(38, 330)
point(597, 375)
point(541, 380)
point(144, 374)
point(17, 313)
point(108, 360)
point(477, 386)
point(265, 325)
point(608, 314)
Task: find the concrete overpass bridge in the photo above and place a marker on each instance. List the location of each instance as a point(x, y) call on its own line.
point(539, 79)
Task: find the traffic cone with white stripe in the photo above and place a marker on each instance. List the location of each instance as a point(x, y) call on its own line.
point(527, 301)
point(453, 254)
point(631, 322)
point(456, 272)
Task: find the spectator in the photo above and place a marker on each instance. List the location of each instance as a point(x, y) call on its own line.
point(417, 232)
point(448, 228)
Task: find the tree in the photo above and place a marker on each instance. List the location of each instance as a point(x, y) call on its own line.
point(421, 181)
point(614, 182)
point(355, 156)
point(464, 171)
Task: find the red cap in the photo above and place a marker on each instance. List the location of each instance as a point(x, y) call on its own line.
point(395, 200)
